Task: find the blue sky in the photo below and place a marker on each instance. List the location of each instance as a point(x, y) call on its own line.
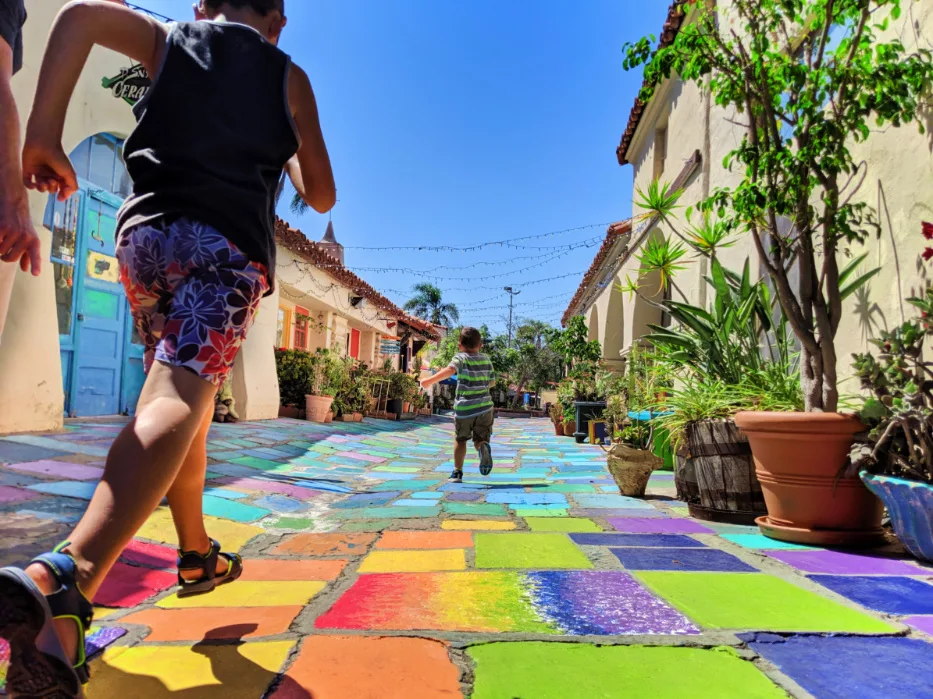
point(460, 123)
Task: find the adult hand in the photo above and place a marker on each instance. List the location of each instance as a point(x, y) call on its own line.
point(46, 168)
point(18, 239)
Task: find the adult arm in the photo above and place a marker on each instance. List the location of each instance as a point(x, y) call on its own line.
point(78, 27)
point(18, 239)
point(309, 170)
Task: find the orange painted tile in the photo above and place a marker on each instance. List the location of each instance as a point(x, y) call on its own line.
point(338, 667)
point(425, 540)
point(268, 569)
point(338, 544)
point(214, 624)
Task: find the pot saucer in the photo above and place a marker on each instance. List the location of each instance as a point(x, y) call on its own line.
point(828, 538)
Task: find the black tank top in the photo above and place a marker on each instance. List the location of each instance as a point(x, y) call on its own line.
point(212, 136)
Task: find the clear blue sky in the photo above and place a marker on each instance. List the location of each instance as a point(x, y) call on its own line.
point(458, 123)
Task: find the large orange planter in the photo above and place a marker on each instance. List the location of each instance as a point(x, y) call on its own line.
point(798, 459)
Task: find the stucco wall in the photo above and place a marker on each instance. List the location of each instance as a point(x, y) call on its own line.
point(31, 395)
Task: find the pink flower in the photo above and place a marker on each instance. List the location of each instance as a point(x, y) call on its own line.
point(927, 254)
point(927, 229)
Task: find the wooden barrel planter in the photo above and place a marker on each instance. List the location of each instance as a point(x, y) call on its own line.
point(685, 479)
point(728, 488)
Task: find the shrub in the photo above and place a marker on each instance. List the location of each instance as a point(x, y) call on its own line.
point(295, 369)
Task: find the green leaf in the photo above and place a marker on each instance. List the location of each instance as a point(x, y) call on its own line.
point(857, 283)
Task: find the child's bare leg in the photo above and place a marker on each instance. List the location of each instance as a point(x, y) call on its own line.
point(460, 450)
point(141, 466)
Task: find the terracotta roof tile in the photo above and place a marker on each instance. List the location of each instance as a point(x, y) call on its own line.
point(675, 18)
point(613, 233)
point(297, 242)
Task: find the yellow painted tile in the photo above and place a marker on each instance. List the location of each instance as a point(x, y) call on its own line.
point(101, 613)
point(232, 535)
point(477, 524)
point(203, 671)
point(244, 593)
point(413, 561)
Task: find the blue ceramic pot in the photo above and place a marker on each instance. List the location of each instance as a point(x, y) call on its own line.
point(910, 504)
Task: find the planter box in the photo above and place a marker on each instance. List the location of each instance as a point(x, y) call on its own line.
point(910, 504)
point(586, 411)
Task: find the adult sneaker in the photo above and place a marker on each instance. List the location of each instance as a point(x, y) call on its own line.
point(485, 458)
point(456, 477)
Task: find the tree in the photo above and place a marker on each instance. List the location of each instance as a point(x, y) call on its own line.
point(571, 343)
point(807, 78)
point(428, 303)
point(535, 363)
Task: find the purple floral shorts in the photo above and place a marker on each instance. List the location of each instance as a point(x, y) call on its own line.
point(192, 293)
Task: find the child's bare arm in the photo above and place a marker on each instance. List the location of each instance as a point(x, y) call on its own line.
point(439, 376)
point(309, 170)
point(78, 27)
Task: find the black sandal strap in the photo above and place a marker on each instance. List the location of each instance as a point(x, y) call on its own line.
point(205, 562)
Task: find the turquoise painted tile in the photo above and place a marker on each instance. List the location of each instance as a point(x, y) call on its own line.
point(226, 493)
point(71, 489)
point(411, 502)
point(521, 512)
point(428, 495)
point(405, 485)
point(761, 542)
point(387, 513)
point(613, 501)
point(231, 509)
point(261, 464)
point(473, 508)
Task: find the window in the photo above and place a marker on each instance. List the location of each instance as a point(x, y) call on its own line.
point(62, 219)
point(282, 328)
point(354, 343)
point(301, 327)
point(660, 151)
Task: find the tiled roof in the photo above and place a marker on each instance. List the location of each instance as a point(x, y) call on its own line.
point(613, 233)
point(297, 242)
point(675, 18)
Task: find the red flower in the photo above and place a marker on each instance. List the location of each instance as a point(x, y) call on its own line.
point(927, 229)
point(927, 254)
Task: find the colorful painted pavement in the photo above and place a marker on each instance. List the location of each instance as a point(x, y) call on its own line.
point(367, 575)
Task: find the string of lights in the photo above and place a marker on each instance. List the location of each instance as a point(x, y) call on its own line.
point(146, 11)
point(442, 277)
point(508, 242)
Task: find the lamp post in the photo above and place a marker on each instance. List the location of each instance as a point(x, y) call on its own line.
point(512, 295)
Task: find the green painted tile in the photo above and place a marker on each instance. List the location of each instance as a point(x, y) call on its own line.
point(366, 525)
point(401, 512)
point(562, 524)
point(473, 508)
point(404, 485)
point(581, 671)
point(300, 523)
point(757, 601)
point(519, 550)
point(566, 488)
point(261, 464)
point(396, 469)
point(525, 512)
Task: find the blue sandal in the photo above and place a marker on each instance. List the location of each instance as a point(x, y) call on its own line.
point(207, 563)
point(38, 666)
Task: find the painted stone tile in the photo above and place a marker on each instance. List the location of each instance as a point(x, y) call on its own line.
point(473, 508)
point(565, 524)
point(615, 501)
point(80, 490)
point(389, 512)
point(101, 637)
point(60, 469)
point(655, 525)
point(149, 555)
point(428, 495)
point(756, 601)
point(13, 452)
point(226, 493)
point(293, 523)
point(413, 561)
point(463, 497)
point(921, 623)
point(649, 540)
point(396, 469)
point(845, 563)
point(851, 667)
point(390, 668)
point(232, 535)
point(526, 512)
point(249, 594)
point(425, 540)
point(405, 485)
point(696, 559)
point(521, 550)
point(477, 524)
point(265, 569)
point(890, 594)
point(618, 513)
point(205, 671)
point(127, 586)
point(325, 544)
point(366, 500)
point(259, 464)
point(579, 671)
point(761, 542)
point(10, 494)
point(208, 624)
point(281, 503)
point(415, 502)
point(232, 510)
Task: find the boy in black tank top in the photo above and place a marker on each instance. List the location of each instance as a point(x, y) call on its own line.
point(227, 111)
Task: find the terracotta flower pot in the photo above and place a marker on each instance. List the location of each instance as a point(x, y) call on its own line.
point(329, 417)
point(317, 407)
point(798, 459)
point(559, 429)
point(570, 426)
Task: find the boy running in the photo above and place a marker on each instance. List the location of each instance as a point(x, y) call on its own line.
point(473, 406)
point(227, 111)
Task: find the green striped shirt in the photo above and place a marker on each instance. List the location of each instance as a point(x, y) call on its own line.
point(474, 374)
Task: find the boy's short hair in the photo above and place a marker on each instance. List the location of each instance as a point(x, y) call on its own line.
point(470, 339)
point(260, 7)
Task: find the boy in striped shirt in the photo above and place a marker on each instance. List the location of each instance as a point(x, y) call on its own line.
point(473, 406)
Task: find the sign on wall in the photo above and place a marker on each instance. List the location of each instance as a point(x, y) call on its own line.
point(131, 85)
point(390, 345)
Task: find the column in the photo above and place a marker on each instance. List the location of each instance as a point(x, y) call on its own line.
point(255, 382)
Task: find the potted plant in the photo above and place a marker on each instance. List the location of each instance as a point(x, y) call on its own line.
point(565, 397)
point(294, 369)
point(557, 419)
point(896, 456)
point(325, 372)
point(402, 387)
point(801, 102)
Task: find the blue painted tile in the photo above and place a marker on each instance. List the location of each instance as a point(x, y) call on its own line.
point(428, 495)
point(12, 452)
point(526, 498)
point(281, 503)
point(72, 489)
point(366, 500)
point(611, 501)
point(681, 559)
point(411, 502)
point(231, 509)
point(892, 594)
point(647, 540)
point(226, 493)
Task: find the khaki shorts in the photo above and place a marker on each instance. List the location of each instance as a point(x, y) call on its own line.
point(478, 428)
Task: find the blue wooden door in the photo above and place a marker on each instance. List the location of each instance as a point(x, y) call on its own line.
point(101, 312)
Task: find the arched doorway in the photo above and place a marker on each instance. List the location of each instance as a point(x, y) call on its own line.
point(614, 333)
point(593, 325)
point(100, 350)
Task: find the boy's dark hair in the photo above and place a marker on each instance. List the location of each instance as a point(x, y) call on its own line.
point(260, 7)
point(470, 339)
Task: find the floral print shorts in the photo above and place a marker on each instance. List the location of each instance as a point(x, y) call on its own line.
point(192, 293)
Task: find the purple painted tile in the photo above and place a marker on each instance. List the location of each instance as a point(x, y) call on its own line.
point(702, 560)
point(657, 525)
point(464, 497)
point(602, 603)
point(921, 623)
point(646, 540)
point(101, 638)
point(10, 494)
point(270, 487)
point(612, 512)
point(361, 457)
point(842, 563)
point(61, 469)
